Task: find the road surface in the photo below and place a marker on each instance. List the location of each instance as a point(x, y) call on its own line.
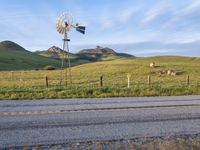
point(41, 122)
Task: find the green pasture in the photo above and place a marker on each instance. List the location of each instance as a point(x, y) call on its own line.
point(85, 79)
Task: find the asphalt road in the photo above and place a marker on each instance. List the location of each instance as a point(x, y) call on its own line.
point(78, 120)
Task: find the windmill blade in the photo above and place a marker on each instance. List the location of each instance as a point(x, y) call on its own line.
point(64, 23)
point(81, 29)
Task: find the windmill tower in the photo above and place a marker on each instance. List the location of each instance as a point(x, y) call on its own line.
point(64, 25)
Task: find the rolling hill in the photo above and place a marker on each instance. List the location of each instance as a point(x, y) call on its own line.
point(102, 53)
point(57, 53)
point(15, 57)
point(54, 52)
point(86, 55)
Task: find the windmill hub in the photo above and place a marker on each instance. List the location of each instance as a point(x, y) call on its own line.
point(66, 24)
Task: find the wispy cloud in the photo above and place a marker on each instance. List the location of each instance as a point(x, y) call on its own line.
point(155, 12)
point(152, 48)
point(185, 16)
point(26, 27)
point(195, 5)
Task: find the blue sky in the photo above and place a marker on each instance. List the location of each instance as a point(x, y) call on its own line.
point(139, 27)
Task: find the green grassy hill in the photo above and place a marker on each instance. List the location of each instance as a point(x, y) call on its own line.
point(15, 57)
point(139, 68)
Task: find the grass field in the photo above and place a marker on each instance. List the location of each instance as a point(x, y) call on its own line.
point(31, 84)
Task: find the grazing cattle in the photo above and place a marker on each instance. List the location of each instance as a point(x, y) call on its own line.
point(164, 71)
point(152, 65)
point(168, 72)
point(172, 72)
point(161, 72)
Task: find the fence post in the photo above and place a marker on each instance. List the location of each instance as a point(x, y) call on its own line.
point(12, 75)
point(128, 77)
point(47, 81)
point(101, 81)
point(188, 80)
point(20, 76)
point(149, 80)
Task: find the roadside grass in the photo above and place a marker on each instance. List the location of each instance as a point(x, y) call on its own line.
point(31, 84)
point(79, 92)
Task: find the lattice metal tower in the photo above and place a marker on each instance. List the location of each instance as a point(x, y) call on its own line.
point(64, 25)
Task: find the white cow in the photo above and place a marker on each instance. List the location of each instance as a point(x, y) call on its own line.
point(152, 65)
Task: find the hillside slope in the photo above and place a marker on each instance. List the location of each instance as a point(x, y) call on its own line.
point(85, 55)
point(15, 57)
point(54, 52)
point(102, 53)
point(115, 72)
point(57, 53)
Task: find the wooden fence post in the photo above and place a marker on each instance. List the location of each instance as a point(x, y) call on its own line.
point(47, 81)
point(101, 81)
point(188, 80)
point(12, 75)
point(149, 80)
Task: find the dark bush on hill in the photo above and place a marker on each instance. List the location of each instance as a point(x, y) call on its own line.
point(49, 68)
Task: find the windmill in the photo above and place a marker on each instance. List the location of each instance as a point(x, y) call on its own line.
point(64, 25)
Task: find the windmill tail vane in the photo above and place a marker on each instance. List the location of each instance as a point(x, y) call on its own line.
point(81, 29)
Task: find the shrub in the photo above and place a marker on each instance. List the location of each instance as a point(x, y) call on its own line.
point(49, 68)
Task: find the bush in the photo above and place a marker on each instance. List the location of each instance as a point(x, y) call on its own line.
point(49, 68)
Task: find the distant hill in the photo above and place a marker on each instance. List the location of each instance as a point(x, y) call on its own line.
point(15, 57)
point(53, 52)
point(86, 55)
point(10, 46)
point(102, 53)
point(99, 50)
point(57, 53)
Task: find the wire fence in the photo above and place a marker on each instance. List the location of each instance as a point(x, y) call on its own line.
point(49, 79)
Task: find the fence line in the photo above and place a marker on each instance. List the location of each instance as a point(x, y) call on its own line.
point(24, 79)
